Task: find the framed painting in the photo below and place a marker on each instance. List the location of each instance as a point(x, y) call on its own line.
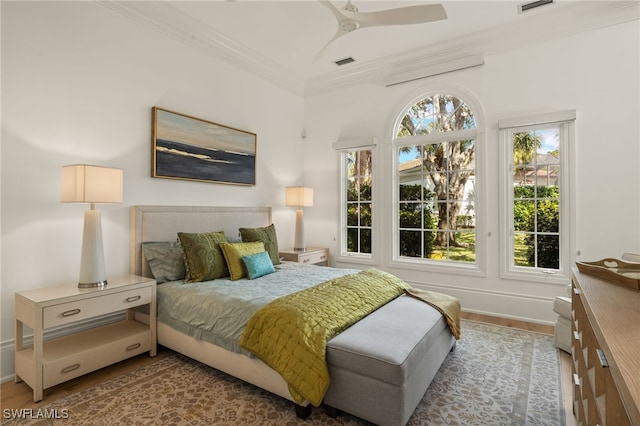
point(191, 148)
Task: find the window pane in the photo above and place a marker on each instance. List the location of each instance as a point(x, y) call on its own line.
point(410, 215)
point(520, 252)
point(352, 190)
point(548, 251)
point(410, 243)
point(352, 214)
point(547, 216)
point(352, 240)
point(365, 241)
point(351, 164)
point(523, 215)
point(365, 214)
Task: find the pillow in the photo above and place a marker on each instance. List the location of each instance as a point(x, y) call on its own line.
point(203, 260)
point(258, 264)
point(166, 260)
point(268, 236)
point(233, 253)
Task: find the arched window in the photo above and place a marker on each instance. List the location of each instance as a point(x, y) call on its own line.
point(435, 181)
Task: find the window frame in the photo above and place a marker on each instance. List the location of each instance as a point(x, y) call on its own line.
point(477, 268)
point(344, 255)
point(564, 122)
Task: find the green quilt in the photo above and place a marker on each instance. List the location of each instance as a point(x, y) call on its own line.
point(290, 334)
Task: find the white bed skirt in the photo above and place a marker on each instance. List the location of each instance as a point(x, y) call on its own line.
point(250, 370)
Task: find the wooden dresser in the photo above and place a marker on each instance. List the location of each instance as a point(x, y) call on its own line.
point(606, 352)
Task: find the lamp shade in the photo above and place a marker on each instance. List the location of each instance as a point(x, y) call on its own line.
point(82, 183)
point(299, 196)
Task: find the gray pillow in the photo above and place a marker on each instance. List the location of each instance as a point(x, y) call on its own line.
point(166, 260)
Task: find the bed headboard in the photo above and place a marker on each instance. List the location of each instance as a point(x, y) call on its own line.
point(162, 223)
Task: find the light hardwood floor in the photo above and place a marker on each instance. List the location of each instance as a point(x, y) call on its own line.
point(19, 395)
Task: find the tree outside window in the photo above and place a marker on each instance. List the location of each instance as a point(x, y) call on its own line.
point(436, 179)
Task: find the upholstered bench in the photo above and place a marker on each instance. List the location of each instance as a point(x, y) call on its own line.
point(381, 367)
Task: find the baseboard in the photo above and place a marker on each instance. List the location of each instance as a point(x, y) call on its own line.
point(7, 348)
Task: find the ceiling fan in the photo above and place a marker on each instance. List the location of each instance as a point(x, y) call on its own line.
point(350, 19)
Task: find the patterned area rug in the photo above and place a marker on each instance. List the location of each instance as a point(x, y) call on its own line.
point(495, 376)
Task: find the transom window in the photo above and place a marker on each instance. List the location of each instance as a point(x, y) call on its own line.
point(435, 147)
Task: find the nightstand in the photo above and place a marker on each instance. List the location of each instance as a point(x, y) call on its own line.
point(45, 364)
point(311, 256)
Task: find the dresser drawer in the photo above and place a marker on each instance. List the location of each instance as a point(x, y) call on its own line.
point(313, 258)
point(66, 313)
point(82, 353)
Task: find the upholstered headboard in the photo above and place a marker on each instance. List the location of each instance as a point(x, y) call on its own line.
point(162, 223)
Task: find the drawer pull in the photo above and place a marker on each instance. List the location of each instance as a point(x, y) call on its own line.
point(576, 335)
point(323, 257)
point(134, 346)
point(576, 380)
point(133, 298)
point(603, 359)
point(71, 312)
point(70, 368)
point(305, 261)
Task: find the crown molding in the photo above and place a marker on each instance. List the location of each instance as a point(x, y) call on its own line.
point(559, 21)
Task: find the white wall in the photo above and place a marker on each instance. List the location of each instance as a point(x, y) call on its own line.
point(78, 84)
point(596, 73)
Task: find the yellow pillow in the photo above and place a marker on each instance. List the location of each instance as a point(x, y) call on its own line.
point(233, 253)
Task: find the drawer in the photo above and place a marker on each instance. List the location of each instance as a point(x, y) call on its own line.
point(101, 304)
point(66, 359)
point(312, 258)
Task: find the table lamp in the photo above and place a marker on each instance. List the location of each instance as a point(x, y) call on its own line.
point(82, 183)
point(299, 196)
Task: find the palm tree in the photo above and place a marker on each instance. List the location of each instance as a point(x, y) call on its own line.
point(525, 145)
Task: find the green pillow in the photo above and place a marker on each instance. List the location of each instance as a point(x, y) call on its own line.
point(233, 253)
point(203, 259)
point(258, 264)
point(268, 236)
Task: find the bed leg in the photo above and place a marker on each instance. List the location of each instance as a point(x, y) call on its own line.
point(331, 411)
point(453, 347)
point(303, 412)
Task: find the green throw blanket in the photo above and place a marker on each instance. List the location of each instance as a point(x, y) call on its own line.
point(290, 334)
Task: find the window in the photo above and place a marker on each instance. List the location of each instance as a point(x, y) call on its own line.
point(536, 197)
point(435, 176)
point(357, 188)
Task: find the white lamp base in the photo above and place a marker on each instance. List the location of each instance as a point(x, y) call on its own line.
point(299, 244)
point(92, 270)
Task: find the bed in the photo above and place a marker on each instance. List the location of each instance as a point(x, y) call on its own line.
point(351, 355)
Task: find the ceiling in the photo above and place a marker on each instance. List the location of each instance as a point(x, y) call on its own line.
point(281, 40)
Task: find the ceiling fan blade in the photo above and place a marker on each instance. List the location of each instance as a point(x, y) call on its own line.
point(345, 26)
point(337, 35)
point(403, 15)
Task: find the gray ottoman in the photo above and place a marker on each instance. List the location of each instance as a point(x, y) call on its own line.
point(381, 367)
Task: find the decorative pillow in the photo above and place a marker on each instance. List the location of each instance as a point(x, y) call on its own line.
point(203, 259)
point(268, 236)
point(233, 253)
point(258, 264)
point(166, 260)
